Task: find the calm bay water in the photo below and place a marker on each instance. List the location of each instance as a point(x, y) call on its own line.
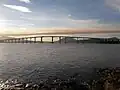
point(39, 61)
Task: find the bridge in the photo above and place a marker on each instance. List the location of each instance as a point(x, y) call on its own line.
point(41, 39)
point(60, 39)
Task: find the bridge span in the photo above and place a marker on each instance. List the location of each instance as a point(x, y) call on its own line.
point(41, 39)
point(61, 39)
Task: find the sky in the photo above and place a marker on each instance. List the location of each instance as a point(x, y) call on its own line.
point(34, 16)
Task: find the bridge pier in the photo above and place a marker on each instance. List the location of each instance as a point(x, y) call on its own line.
point(30, 40)
point(8, 41)
point(22, 40)
point(41, 39)
point(34, 39)
point(77, 40)
point(65, 39)
point(18, 41)
point(15, 41)
point(59, 39)
point(4, 41)
point(26, 40)
point(12, 40)
point(52, 39)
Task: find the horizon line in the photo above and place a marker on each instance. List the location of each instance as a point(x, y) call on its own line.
point(50, 33)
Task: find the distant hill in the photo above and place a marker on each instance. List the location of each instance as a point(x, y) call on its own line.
point(92, 40)
point(112, 40)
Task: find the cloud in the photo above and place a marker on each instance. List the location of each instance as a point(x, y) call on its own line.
point(115, 4)
point(62, 21)
point(26, 1)
point(41, 18)
point(15, 23)
point(89, 21)
point(18, 8)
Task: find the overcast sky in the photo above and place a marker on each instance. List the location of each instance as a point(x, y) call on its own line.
point(36, 15)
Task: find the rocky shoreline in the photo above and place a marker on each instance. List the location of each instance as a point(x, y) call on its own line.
point(102, 79)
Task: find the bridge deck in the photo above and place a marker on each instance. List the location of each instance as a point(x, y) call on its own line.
point(33, 39)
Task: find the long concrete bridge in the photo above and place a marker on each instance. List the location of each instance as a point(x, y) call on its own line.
point(41, 39)
point(60, 39)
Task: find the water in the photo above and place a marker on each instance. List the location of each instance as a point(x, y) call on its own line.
point(39, 61)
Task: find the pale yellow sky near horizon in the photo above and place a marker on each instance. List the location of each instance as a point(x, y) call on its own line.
point(56, 30)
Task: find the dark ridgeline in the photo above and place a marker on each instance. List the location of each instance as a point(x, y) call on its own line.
point(113, 40)
point(62, 39)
